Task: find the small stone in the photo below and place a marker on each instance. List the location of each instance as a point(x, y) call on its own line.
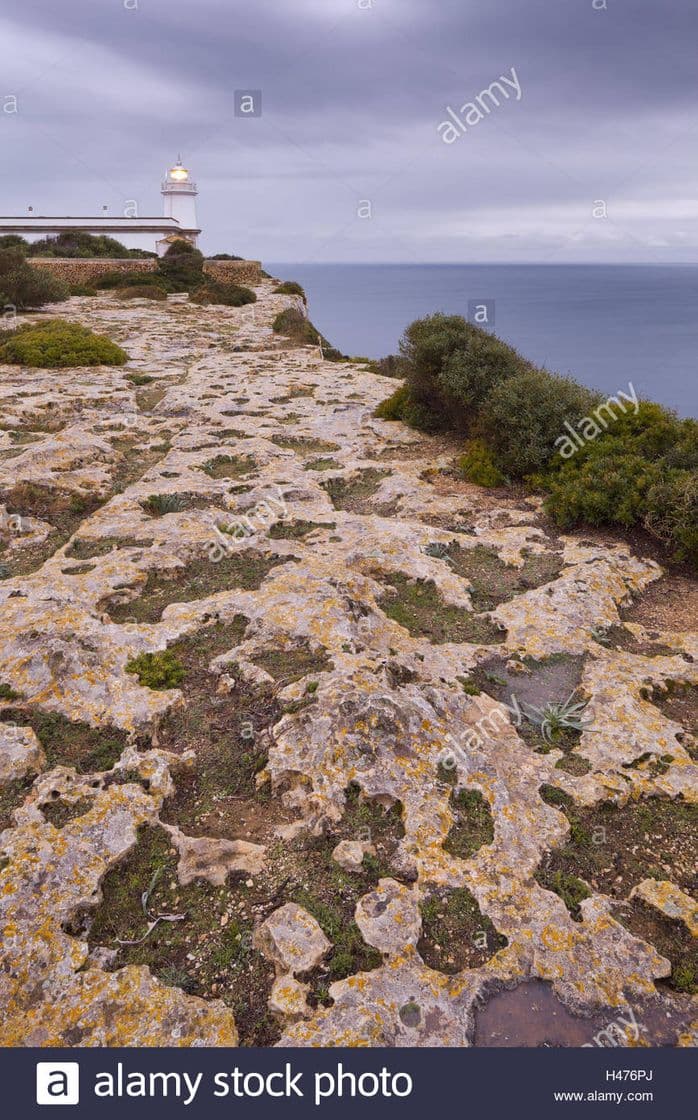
point(292, 939)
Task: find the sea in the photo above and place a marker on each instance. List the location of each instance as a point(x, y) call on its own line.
point(605, 325)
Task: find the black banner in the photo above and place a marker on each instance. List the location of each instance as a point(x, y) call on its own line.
point(209, 1083)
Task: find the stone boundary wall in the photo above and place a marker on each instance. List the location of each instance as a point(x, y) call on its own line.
point(85, 270)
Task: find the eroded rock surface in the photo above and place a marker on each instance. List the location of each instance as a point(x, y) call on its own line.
point(344, 639)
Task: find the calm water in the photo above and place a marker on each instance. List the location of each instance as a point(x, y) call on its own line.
point(606, 325)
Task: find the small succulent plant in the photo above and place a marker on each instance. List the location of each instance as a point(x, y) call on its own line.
point(157, 505)
point(438, 550)
point(555, 718)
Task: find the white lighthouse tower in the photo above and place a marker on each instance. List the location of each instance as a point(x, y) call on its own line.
point(179, 201)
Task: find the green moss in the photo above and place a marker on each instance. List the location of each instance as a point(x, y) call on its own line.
point(158, 671)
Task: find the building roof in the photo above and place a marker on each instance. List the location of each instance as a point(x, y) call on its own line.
point(40, 224)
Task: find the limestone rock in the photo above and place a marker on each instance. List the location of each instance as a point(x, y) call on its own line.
point(670, 900)
point(20, 753)
point(203, 857)
point(389, 917)
point(288, 999)
point(292, 939)
point(349, 854)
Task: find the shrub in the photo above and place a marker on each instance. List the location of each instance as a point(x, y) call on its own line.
point(671, 513)
point(401, 406)
point(24, 287)
point(14, 241)
point(157, 670)
point(129, 279)
point(296, 326)
point(58, 343)
point(75, 243)
point(225, 257)
point(451, 366)
point(82, 290)
point(641, 471)
point(391, 366)
point(290, 288)
point(229, 295)
point(182, 266)
point(477, 465)
point(142, 291)
point(523, 416)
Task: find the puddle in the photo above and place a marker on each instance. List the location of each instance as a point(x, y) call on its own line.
point(532, 1015)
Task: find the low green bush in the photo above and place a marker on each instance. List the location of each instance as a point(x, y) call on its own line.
point(82, 290)
point(14, 241)
point(23, 287)
point(290, 288)
point(524, 414)
point(227, 295)
point(400, 406)
point(142, 291)
point(182, 267)
point(75, 243)
point(640, 471)
point(129, 279)
point(57, 344)
point(452, 365)
point(477, 464)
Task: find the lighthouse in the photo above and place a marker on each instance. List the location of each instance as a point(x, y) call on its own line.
point(179, 200)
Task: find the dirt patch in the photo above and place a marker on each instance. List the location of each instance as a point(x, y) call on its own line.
point(289, 665)
point(619, 637)
point(227, 733)
point(322, 465)
point(69, 742)
point(612, 849)
point(494, 582)
point(671, 939)
point(86, 549)
point(670, 604)
point(680, 703)
point(229, 466)
point(60, 812)
point(296, 530)
point(354, 493)
point(537, 685)
point(196, 580)
point(12, 795)
point(159, 505)
point(455, 932)
point(418, 606)
point(472, 824)
point(208, 953)
point(304, 445)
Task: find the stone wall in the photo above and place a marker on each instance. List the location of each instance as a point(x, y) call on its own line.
point(236, 272)
point(86, 270)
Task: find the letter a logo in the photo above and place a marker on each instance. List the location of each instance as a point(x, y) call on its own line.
point(57, 1083)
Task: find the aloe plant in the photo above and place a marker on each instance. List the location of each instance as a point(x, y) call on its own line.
point(554, 718)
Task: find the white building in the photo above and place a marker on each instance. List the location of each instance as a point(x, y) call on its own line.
point(179, 193)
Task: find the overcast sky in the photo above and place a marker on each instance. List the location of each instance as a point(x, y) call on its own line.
point(353, 91)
